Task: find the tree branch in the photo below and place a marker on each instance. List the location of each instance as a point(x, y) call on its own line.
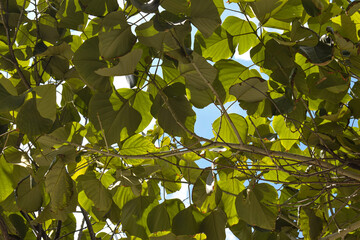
point(304, 160)
point(343, 232)
point(58, 230)
point(88, 223)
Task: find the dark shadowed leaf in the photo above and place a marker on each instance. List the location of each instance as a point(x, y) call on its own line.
point(9, 101)
point(134, 215)
point(205, 16)
point(126, 65)
point(199, 73)
point(214, 225)
point(29, 195)
point(117, 39)
point(313, 7)
point(37, 114)
point(191, 217)
point(118, 113)
point(158, 219)
point(257, 206)
point(86, 61)
point(251, 90)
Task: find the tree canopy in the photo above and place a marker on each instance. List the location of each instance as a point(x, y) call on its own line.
point(84, 157)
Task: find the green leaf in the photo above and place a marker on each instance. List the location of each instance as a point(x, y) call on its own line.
point(71, 15)
point(117, 39)
point(205, 16)
point(20, 224)
point(288, 134)
point(59, 185)
point(264, 9)
point(203, 193)
point(250, 90)
point(63, 50)
point(176, 114)
point(29, 195)
point(257, 206)
point(190, 171)
point(123, 195)
point(38, 113)
point(199, 73)
point(200, 98)
point(158, 219)
point(149, 36)
point(13, 155)
point(222, 128)
point(48, 28)
point(228, 181)
point(313, 7)
point(214, 225)
point(8, 101)
point(216, 47)
point(6, 171)
point(186, 216)
point(303, 36)
point(95, 191)
point(229, 72)
point(311, 223)
point(179, 6)
point(118, 113)
point(137, 145)
point(98, 8)
point(148, 7)
point(71, 132)
point(86, 61)
point(354, 106)
point(173, 207)
point(273, 56)
point(171, 175)
point(126, 65)
point(243, 32)
point(134, 215)
point(220, 6)
point(242, 230)
point(291, 10)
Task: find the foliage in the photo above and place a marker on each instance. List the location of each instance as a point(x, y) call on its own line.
point(73, 142)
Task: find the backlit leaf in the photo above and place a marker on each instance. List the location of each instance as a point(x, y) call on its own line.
point(222, 128)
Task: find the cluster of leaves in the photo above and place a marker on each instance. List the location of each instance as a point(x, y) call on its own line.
point(286, 170)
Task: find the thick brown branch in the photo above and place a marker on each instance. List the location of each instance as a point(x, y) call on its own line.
point(88, 224)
